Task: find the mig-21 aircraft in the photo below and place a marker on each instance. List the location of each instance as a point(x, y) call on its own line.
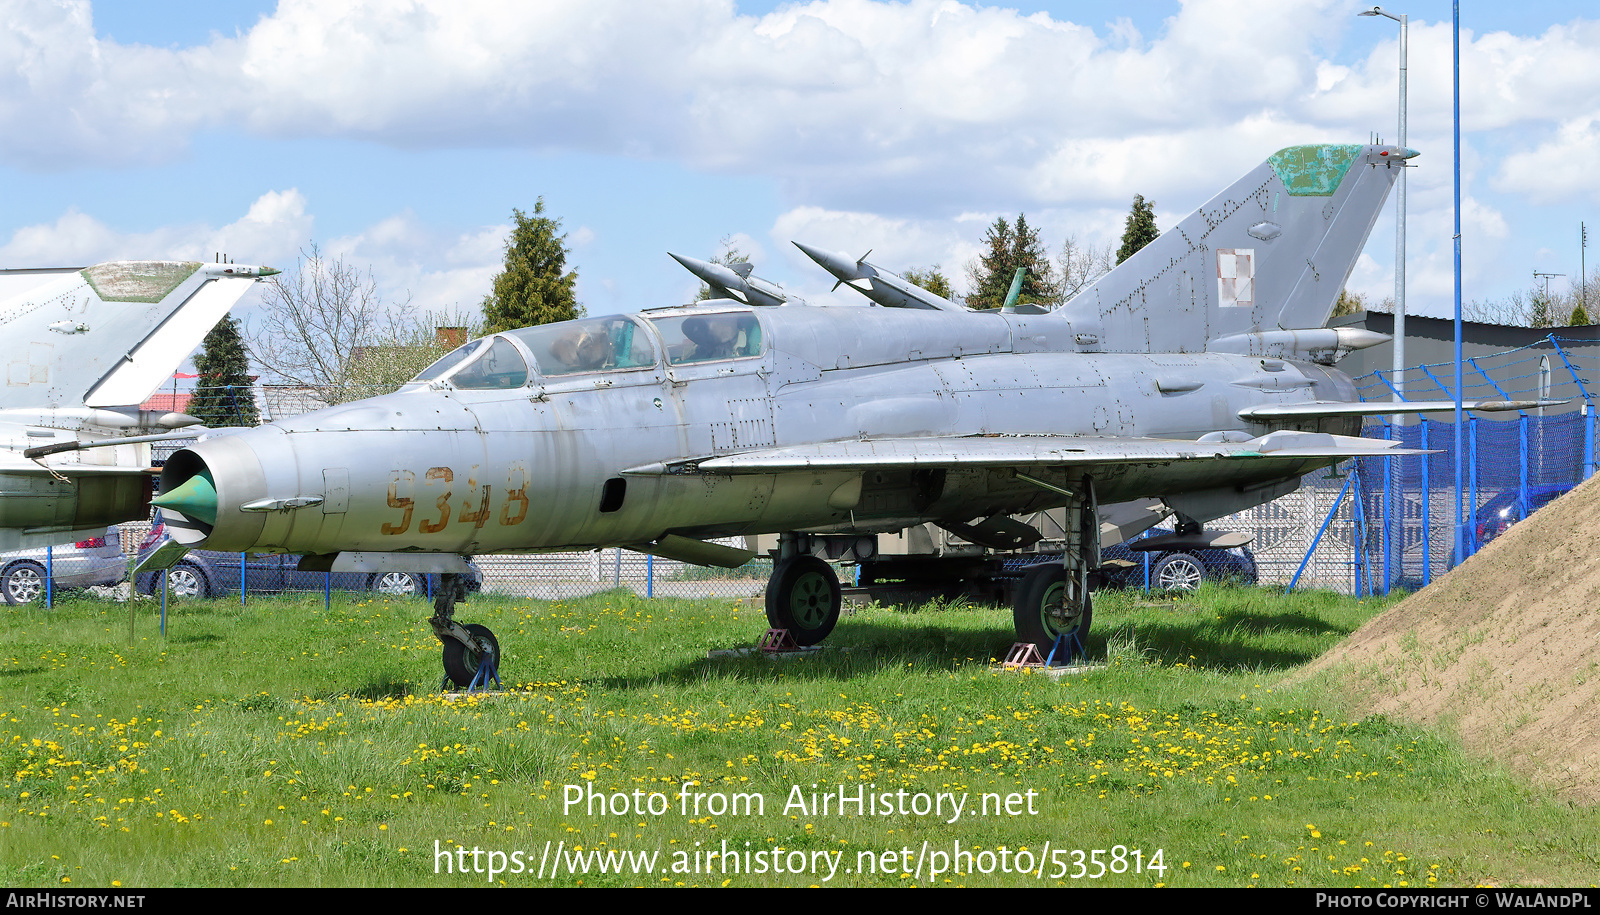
point(1198, 373)
point(83, 348)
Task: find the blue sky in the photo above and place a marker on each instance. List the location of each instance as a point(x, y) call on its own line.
point(400, 135)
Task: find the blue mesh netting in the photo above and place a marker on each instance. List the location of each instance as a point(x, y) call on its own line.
point(1511, 467)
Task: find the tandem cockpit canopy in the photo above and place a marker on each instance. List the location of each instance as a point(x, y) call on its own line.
point(609, 344)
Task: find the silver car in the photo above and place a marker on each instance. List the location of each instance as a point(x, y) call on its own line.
point(97, 561)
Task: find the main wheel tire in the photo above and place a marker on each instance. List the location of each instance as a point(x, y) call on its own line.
point(461, 663)
point(1037, 611)
point(803, 597)
point(397, 584)
point(187, 581)
point(23, 583)
point(1177, 572)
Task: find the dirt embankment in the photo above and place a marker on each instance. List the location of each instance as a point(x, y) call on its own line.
point(1505, 650)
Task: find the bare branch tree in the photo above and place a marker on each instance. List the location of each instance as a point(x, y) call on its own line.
point(319, 316)
point(408, 345)
point(1081, 265)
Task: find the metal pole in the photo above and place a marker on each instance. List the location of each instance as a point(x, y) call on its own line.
point(1455, 78)
point(1400, 218)
point(1400, 236)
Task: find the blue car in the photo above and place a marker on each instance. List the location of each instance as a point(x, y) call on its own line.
point(206, 573)
point(1170, 570)
point(1505, 509)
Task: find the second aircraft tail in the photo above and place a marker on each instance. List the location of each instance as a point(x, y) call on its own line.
point(1269, 254)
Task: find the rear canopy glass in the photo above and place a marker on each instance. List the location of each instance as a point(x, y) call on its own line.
point(587, 345)
point(706, 338)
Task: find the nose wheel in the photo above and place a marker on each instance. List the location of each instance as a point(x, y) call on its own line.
point(471, 652)
point(472, 667)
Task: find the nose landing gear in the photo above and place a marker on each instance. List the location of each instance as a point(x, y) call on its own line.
point(471, 652)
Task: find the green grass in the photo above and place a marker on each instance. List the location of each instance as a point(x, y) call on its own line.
point(283, 744)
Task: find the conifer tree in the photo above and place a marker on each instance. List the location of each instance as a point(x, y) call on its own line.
point(536, 287)
point(223, 392)
point(1009, 247)
point(1140, 229)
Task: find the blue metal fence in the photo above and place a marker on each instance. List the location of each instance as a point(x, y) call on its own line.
point(1511, 466)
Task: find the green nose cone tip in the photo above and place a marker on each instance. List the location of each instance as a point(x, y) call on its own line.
point(194, 498)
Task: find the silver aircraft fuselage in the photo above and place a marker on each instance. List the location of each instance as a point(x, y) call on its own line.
point(608, 456)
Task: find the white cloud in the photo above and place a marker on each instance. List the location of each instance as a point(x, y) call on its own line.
point(269, 232)
point(419, 265)
point(1565, 164)
point(882, 121)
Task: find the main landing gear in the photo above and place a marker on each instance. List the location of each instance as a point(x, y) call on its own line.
point(471, 653)
point(803, 593)
point(1053, 608)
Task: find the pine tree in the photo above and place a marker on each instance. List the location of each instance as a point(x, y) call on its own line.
point(535, 287)
point(1140, 229)
point(1039, 287)
point(1010, 247)
point(224, 395)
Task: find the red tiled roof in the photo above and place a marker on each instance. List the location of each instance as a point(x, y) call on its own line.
point(168, 402)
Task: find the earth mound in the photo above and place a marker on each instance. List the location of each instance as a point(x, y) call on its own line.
point(1505, 650)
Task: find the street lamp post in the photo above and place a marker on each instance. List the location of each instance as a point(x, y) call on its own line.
point(1399, 380)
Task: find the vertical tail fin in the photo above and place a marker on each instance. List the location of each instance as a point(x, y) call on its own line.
point(107, 335)
point(1269, 253)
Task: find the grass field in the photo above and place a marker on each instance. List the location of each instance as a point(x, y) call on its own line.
point(282, 744)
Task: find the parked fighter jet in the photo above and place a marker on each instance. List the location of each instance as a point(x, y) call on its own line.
point(1197, 372)
point(83, 348)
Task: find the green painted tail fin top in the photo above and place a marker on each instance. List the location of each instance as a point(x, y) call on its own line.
point(1313, 171)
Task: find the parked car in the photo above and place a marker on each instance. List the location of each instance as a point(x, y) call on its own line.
point(1170, 570)
point(1505, 509)
point(207, 573)
point(1177, 570)
point(96, 561)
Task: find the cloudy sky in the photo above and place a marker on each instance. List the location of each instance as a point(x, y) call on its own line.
point(400, 134)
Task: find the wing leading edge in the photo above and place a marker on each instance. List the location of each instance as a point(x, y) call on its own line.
point(1016, 451)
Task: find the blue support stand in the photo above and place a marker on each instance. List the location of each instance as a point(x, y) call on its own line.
point(1070, 643)
point(488, 669)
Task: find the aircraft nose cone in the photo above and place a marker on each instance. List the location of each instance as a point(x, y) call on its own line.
point(195, 498)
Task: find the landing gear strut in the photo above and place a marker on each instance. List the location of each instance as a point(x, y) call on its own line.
point(1053, 600)
point(803, 593)
point(471, 653)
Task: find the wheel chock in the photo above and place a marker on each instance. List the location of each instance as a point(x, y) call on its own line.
point(776, 640)
point(1023, 654)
